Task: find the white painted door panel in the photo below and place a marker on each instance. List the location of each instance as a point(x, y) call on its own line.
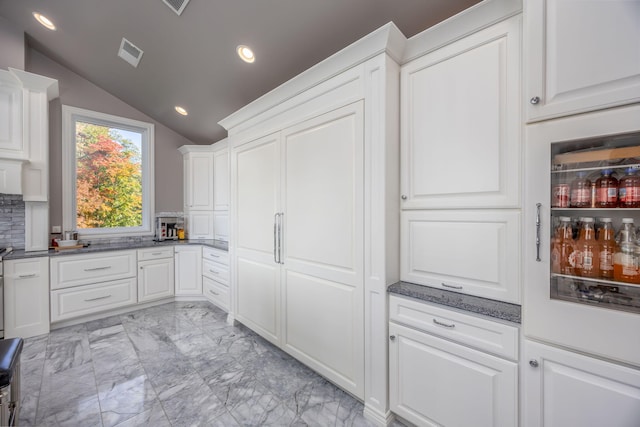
point(461, 123)
point(473, 252)
point(569, 389)
point(221, 179)
point(582, 55)
point(200, 225)
point(323, 244)
point(199, 181)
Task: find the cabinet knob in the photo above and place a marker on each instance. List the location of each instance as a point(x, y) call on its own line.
point(535, 100)
point(403, 197)
point(533, 363)
point(392, 337)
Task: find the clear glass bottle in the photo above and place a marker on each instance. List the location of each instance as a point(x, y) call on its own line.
point(608, 247)
point(563, 247)
point(587, 251)
point(629, 189)
point(580, 191)
point(625, 260)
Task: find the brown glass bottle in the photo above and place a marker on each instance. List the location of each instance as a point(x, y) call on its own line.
point(629, 190)
point(606, 190)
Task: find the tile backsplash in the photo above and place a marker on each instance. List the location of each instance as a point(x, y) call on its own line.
point(11, 221)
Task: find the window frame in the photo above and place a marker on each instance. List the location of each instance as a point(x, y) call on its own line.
point(71, 115)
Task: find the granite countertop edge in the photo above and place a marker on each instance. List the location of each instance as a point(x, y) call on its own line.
point(469, 303)
point(96, 247)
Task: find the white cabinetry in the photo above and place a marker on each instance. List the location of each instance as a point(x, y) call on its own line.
point(221, 176)
point(198, 178)
point(461, 125)
point(581, 56)
point(200, 225)
point(434, 381)
point(215, 276)
point(562, 388)
point(476, 252)
point(89, 283)
point(155, 273)
point(188, 270)
point(26, 297)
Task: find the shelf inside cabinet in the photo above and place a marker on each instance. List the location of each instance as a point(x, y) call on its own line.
point(604, 293)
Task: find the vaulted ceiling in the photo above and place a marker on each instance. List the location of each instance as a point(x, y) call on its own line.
point(190, 59)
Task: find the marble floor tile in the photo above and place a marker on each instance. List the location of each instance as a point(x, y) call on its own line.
point(175, 364)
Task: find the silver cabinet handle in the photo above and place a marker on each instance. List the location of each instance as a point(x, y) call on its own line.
point(451, 286)
point(403, 197)
point(392, 337)
point(213, 271)
point(533, 363)
point(214, 293)
point(97, 298)
point(98, 268)
point(215, 256)
point(446, 325)
point(280, 238)
point(535, 100)
point(156, 253)
point(275, 238)
point(26, 276)
point(538, 226)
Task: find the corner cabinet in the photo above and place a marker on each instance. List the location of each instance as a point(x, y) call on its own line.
point(581, 56)
point(26, 297)
point(563, 388)
point(188, 270)
point(198, 177)
point(460, 123)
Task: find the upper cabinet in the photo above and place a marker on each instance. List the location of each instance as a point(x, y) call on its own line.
point(461, 123)
point(221, 176)
point(581, 56)
point(198, 177)
point(24, 133)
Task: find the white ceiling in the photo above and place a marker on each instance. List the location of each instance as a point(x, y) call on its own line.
point(190, 60)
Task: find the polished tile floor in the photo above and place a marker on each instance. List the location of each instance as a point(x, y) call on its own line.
point(177, 364)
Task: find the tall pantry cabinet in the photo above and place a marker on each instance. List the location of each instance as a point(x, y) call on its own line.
point(309, 264)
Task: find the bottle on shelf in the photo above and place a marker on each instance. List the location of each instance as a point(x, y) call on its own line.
point(587, 251)
point(629, 189)
point(580, 196)
point(606, 190)
point(563, 246)
point(625, 260)
point(608, 247)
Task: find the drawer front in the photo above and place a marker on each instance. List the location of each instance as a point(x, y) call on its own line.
point(155, 253)
point(215, 255)
point(215, 271)
point(216, 292)
point(76, 270)
point(483, 334)
point(90, 299)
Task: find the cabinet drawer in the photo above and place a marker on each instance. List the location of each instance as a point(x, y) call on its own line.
point(155, 253)
point(216, 255)
point(68, 271)
point(472, 252)
point(215, 271)
point(493, 337)
point(216, 292)
point(90, 299)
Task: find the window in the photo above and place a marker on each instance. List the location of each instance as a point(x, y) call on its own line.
point(107, 182)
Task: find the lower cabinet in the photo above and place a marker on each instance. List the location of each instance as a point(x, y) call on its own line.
point(562, 388)
point(188, 270)
point(26, 297)
point(215, 277)
point(155, 274)
point(435, 381)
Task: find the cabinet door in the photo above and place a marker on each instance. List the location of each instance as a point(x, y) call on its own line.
point(461, 123)
point(581, 56)
point(26, 297)
point(473, 252)
point(188, 270)
point(155, 279)
point(322, 250)
point(434, 382)
point(221, 225)
point(200, 225)
point(221, 180)
point(199, 181)
point(11, 112)
point(562, 388)
point(256, 175)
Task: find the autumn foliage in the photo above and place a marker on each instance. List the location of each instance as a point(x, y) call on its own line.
point(108, 179)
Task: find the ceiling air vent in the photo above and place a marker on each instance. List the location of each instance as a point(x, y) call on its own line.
point(176, 5)
point(130, 52)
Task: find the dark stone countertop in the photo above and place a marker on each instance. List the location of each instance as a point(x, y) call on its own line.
point(484, 306)
point(20, 253)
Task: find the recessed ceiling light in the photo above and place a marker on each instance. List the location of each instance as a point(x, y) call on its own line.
point(181, 110)
point(245, 53)
point(44, 20)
